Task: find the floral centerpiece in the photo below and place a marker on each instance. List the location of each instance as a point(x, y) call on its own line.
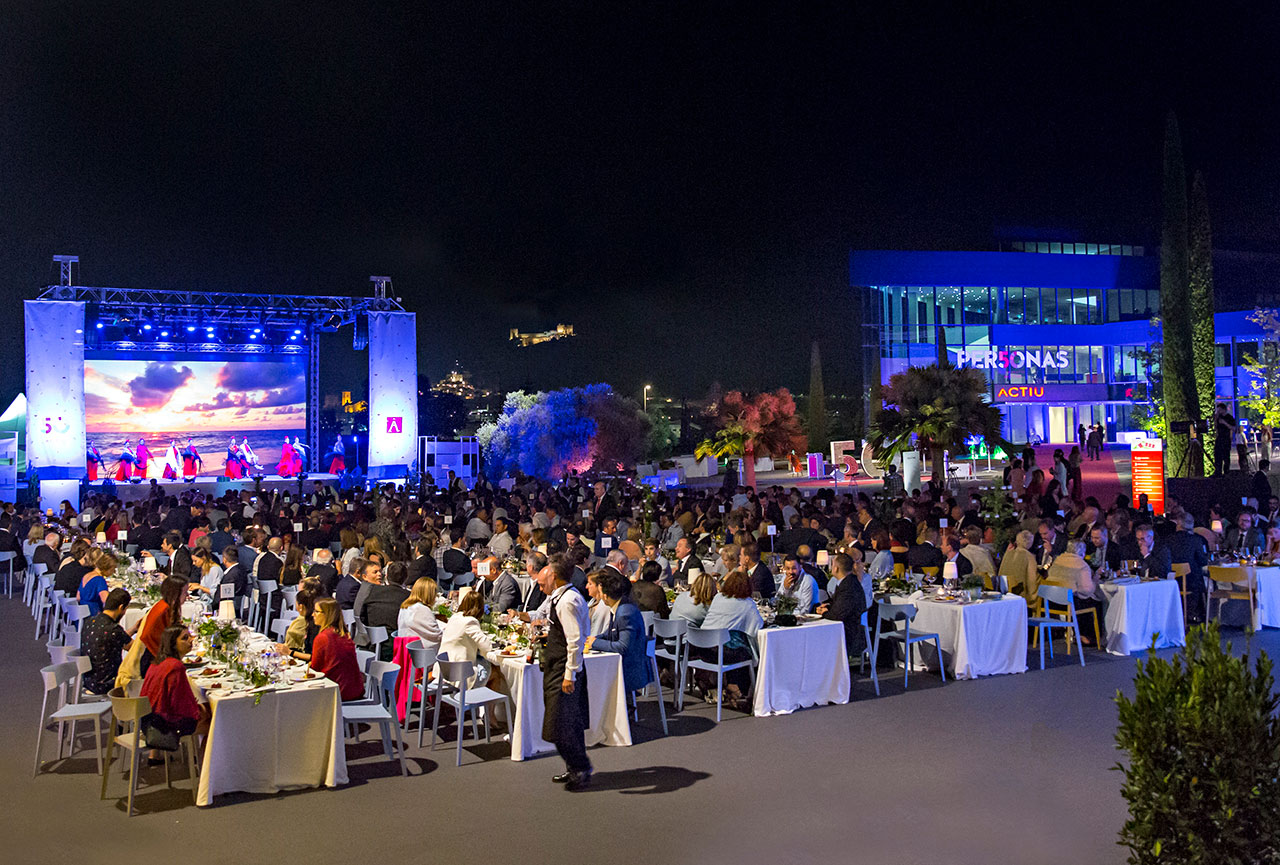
point(784, 609)
point(973, 584)
point(894, 586)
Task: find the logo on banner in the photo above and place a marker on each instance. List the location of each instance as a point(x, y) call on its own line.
point(395, 424)
point(60, 426)
point(1002, 358)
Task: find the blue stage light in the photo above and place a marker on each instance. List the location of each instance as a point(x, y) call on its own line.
point(146, 327)
point(98, 325)
point(297, 331)
point(191, 328)
point(293, 336)
point(253, 336)
point(164, 333)
point(257, 330)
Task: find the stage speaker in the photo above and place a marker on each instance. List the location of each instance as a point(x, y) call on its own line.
point(360, 341)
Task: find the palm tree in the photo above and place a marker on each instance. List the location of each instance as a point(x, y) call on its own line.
point(764, 423)
point(934, 408)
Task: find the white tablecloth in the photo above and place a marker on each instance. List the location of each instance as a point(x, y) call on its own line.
point(1269, 597)
point(292, 738)
point(1135, 612)
point(607, 703)
point(980, 639)
point(803, 666)
point(1234, 613)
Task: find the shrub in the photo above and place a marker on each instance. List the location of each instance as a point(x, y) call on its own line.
point(1203, 780)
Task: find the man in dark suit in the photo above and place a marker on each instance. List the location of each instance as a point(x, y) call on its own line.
point(925, 555)
point(235, 575)
point(1049, 543)
point(148, 536)
point(271, 562)
point(847, 604)
point(1244, 535)
point(221, 539)
point(178, 519)
point(645, 591)
point(423, 563)
point(604, 505)
point(533, 563)
point(762, 581)
point(501, 591)
point(1187, 548)
point(49, 553)
point(9, 543)
point(951, 549)
point(179, 558)
point(322, 569)
point(349, 585)
point(455, 560)
point(684, 563)
point(1102, 550)
point(1154, 560)
point(314, 537)
point(626, 632)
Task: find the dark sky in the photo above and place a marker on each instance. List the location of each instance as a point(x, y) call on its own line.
point(681, 182)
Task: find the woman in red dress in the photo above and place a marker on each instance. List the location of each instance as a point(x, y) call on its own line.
point(235, 465)
point(174, 708)
point(286, 466)
point(336, 458)
point(124, 470)
point(333, 653)
point(144, 457)
point(191, 461)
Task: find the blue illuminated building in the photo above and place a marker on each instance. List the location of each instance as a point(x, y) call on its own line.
point(1053, 325)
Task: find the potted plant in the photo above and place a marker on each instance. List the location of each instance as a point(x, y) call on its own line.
point(973, 585)
point(784, 610)
point(1203, 743)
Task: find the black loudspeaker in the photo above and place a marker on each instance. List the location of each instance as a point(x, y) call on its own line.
point(360, 341)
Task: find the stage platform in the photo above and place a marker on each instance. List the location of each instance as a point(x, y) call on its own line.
point(128, 491)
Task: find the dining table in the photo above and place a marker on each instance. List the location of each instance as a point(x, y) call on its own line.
point(984, 637)
point(801, 666)
point(1140, 611)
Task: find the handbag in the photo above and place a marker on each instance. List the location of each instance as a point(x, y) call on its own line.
point(158, 733)
point(131, 667)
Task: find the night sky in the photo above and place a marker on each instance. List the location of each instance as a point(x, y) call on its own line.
point(681, 182)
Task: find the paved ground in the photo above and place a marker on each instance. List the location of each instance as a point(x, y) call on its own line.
point(1011, 769)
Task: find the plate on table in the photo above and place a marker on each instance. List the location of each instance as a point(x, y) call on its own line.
point(808, 617)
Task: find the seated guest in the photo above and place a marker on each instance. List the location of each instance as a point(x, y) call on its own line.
point(1188, 548)
point(208, 570)
point(1154, 560)
point(345, 592)
point(847, 604)
point(1243, 537)
point(1103, 550)
point(758, 574)
point(424, 559)
point(651, 555)
point(377, 604)
point(333, 654)
point(291, 572)
point(647, 594)
point(951, 549)
point(174, 708)
point(799, 584)
point(926, 554)
point(882, 561)
point(1069, 568)
point(1018, 566)
point(165, 613)
point(626, 633)
point(322, 569)
point(972, 549)
point(49, 553)
point(499, 586)
point(235, 575)
point(299, 639)
point(417, 613)
point(93, 585)
point(733, 610)
point(104, 642)
point(598, 608)
point(80, 562)
point(692, 605)
point(462, 639)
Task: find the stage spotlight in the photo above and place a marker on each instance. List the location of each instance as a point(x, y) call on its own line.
point(165, 334)
point(253, 335)
point(257, 330)
point(293, 336)
point(191, 328)
point(98, 325)
point(297, 331)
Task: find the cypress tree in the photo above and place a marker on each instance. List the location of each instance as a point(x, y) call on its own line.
point(1200, 265)
point(1180, 400)
point(817, 404)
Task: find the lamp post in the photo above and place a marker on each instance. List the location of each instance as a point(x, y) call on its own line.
point(647, 388)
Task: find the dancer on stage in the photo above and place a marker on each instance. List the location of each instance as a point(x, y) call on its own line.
point(288, 460)
point(93, 462)
point(144, 458)
point(235, 467)
point(303, 454)
point(124, 469)
point(191, 461)
point(249, 458)
point(336, 458)
point(172, 464)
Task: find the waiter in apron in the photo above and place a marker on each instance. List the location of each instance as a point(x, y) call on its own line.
point(564, 677)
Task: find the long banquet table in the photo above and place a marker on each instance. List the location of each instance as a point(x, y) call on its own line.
point(283, 738)
point(983, 638)
point(1137, 610)
point(606, 698)
point(801, 666)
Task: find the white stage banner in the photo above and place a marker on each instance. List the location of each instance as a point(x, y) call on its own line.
point(393, 389)
point(55, 390)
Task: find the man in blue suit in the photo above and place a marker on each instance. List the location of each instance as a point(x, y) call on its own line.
point(626, 635)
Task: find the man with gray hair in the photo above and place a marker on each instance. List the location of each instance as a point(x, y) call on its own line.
point(618, 560)
point(1188, 548)
point(323, 570)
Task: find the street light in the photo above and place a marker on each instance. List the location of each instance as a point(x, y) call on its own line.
point(647, 388)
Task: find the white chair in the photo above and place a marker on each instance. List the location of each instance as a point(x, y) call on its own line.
point(653, 670)
point(375, 636)
point(62, 682)
point(1063, 596)
point(161, 557)
point(74, 614)
point(131, 550)
point(128, 712)
point(422, 657)
point(892, 613)
point(712, 638)
point(41, 602)
point(60, 654)
point(349, 618)
point(649, 618)
point(32, 581)
point(672, 629)
point(463, 580)
point(262, 609)
point(463, 700)
point(379, 710)
point(7, 558)
point(868, 654)
point(281, 625)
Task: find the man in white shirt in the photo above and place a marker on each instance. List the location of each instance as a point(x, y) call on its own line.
point(477, 528)
point(500, 544)
point(564, 689)
point(799, 584)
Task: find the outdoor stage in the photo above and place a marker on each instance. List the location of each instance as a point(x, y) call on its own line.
point(212, 485)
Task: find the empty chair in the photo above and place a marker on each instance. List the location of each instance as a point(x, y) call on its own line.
point(61, 689)
point(1233, 584)
point(712, 638)
point(379, 710)
point(868, 654)
point(893, 613)
point(266, 589)
point(463, 699)
point(666, 631)
point(1062, 596)
point(127, 713)
point(31, 582)
point(349, 618)
point(281, 625)
point(6, 562)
